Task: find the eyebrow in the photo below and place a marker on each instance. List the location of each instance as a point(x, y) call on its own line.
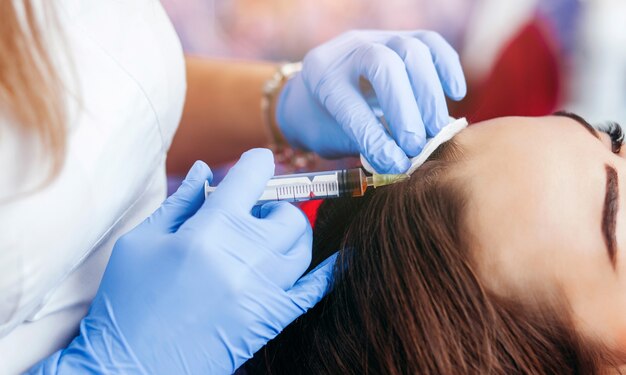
point(578, 120)
point(609, 213)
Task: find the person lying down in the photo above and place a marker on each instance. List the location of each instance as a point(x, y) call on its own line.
point(502, 254)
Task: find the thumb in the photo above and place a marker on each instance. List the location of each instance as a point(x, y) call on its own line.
point(244, 183)
point(185, 201)
point(312, 287)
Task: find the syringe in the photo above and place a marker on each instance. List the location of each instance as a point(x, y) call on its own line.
point(320, 185)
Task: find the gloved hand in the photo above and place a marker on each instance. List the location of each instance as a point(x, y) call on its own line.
point(323, 108)
point(199, 286)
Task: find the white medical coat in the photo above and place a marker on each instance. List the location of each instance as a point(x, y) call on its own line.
point(128, 73)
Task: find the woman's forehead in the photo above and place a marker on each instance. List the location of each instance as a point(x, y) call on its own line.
point(518, 129)
point(536, 186)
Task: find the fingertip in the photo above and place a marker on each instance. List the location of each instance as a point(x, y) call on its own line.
point(313, 286)
point(459, 90)
point(447, 63)
point(402, 166)
point(441, 121)
point(245, 182)
point(262, 158)
point(256, 211)
point(263, 154)
point(199, 171)
point(395, 166)
point(195, 179)
point(412, 143)
point(200, 165)
point(327, 264)
point(185, 201)
point(259, 151)
point(455, 85)
point(399, 162)
point(265, 209)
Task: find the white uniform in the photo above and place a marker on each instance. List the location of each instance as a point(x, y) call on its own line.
point(55, 243)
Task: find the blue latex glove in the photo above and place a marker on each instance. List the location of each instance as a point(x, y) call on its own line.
point(199, 286)
point(324, 109)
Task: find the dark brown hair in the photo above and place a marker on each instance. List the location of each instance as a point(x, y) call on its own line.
point(407, 298)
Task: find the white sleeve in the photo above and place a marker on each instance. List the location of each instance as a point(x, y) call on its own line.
point(11, 279)
point(18, 175)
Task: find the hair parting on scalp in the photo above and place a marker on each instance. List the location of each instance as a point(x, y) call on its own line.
point(408, 299)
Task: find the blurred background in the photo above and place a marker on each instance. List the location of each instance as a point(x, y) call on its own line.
point(521, 57)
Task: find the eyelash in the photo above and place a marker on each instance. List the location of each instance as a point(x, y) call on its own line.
point(615, 132)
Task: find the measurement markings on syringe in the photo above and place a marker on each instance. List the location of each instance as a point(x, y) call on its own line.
point(306, 186)
point(300, 188)
point(294, 192)
point(323, 189)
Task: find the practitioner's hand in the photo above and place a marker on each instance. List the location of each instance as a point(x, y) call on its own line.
point(323, 109)
point(199, 286)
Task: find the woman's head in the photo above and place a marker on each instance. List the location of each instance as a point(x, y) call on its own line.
point(544, 215)
point(486, 260)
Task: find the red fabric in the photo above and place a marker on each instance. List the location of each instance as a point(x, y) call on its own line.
point(310, 210)
point(525, 80)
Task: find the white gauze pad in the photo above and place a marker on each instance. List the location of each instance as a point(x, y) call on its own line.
point(444, 135)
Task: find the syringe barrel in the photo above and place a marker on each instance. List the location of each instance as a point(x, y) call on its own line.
point(353, 183)
point(309, 186)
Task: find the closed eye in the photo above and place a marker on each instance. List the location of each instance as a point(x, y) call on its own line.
point(615, 132)
point(612, 129)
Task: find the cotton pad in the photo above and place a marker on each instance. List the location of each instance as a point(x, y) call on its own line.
point(432, 144)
